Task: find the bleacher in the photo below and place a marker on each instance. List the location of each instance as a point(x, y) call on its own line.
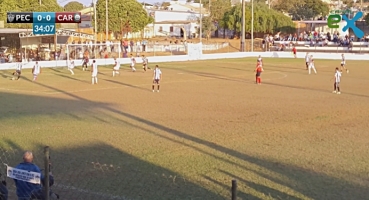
point(305, 46)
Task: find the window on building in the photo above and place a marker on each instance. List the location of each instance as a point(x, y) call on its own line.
point(160, 29)
point(171, 29)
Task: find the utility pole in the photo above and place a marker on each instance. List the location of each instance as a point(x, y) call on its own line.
point(252, 25)
point(243, 27)
point(210, 3)
point(40, 1)
point(95, 20)
point(107, 21)
point(200, 21)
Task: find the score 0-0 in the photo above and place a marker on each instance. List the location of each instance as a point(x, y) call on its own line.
point(43, 23)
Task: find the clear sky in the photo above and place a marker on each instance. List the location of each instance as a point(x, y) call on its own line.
point(88, 2)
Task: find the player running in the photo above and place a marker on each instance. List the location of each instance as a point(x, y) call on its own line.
point(94, 72)
point(307, 61)
point(311, 64)
point(258, 70)
point(294, 51)
point(343, 63)
point(71, 67)
point(18, 71)
point(85, 63)
point(133, 62)
point(116, 67)
point(337, 80)
point(36, 70)
point(145, 63)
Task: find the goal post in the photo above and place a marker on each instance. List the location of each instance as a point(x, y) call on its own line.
point(93, 51)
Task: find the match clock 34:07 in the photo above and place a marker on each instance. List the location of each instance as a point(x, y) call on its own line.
point(44, 28)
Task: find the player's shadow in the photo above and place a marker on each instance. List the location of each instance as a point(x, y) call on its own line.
point(71, 78)
point(4, 74)
point(126, 85)
point(55, 69)
point(211, 75)
point(311, 89)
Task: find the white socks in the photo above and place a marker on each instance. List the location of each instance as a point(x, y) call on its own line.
point(94, 80)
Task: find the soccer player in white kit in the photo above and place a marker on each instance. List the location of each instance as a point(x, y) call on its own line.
point(311, 64)
point(133, 62)
point(94, 72)
point(307, 61)
point(18, 71)
point(337, 80)
point(343, 63)
point(116, 67)
point(36, 71)
point(260, 61)
point(71, 67)
point(145, 63)
point(156, 78)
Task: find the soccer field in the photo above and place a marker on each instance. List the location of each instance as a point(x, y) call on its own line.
point(288, 138)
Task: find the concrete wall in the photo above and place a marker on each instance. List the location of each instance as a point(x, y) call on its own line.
point(160, 59)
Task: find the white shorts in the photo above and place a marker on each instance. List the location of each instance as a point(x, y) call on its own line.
point(311, 66)
point(343, 63)
point(132, 64)
point(116, 68)
point(94, 74)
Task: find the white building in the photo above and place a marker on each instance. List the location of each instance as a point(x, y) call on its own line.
point(177, 20)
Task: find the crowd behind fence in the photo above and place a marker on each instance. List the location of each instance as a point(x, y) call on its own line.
point(76, 178)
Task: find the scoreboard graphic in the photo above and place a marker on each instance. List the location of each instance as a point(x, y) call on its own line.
point(44, 22)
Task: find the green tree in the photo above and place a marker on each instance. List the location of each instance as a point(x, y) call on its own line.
point(265, 20)
point(121, 13)
point(303, 9)
point(208, 26)
point(73, 6)
point(217, 10)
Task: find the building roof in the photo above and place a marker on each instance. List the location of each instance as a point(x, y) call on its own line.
point(175, 22)
point(14, 30)
point(87, 10)
point(174, 11)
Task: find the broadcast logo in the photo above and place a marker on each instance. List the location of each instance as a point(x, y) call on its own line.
point(77, 18)
point(11, 17)
point(333, 19)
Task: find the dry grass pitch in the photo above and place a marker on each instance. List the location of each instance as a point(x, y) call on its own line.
point(289, 138)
